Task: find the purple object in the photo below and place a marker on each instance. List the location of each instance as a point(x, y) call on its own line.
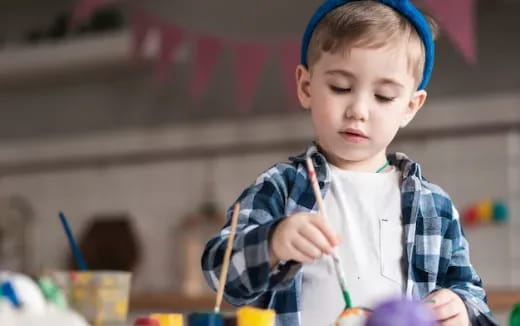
point(403, 313)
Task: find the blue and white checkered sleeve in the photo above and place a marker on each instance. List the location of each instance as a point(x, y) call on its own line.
point(462, 278)
point(261, 207)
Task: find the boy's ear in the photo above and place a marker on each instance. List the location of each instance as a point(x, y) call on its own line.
point(303, 83)
point(415, 104)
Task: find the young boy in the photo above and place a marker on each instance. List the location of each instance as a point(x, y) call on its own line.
point(365, 66)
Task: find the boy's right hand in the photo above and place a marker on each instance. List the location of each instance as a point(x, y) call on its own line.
point(302, 237)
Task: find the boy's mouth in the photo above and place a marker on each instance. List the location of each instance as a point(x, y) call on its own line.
point(353, 135)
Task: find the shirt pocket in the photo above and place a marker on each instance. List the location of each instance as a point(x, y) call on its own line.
point(391, 245)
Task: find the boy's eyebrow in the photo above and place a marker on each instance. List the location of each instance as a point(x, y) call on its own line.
point(386, 81)
point(348, 74)
point(344, 73)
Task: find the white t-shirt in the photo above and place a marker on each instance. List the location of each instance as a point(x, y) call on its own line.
point(365, 210)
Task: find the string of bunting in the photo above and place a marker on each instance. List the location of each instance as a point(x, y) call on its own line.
point(456, 18)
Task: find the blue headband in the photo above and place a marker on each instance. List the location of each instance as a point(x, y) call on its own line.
point(404, 7)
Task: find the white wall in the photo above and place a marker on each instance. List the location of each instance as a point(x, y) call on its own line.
point(157, 195)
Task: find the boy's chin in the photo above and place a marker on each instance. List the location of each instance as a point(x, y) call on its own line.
point(351, 156)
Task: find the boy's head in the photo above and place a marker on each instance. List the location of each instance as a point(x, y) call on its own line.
point(368, 24)
point(342, 24)
point(364, 69)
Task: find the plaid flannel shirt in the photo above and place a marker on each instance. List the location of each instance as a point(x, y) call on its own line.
point(436, 249)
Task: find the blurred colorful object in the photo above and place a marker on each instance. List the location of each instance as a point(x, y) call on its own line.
point(147, 321)
point(99, 296)
point(403, 313)
point(52, 293)
point(22, 303)
point(353, 317)
point(22, 292)
point(205, 319)
point(9, 293)
point(514, 319)
point(486, 212)
point(249, 316)
point(169, 319)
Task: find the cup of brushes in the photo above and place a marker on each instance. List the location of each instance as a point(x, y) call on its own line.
point(100, 296)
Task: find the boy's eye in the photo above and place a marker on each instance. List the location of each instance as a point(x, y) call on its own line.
point(339, 90)
point(382, 98)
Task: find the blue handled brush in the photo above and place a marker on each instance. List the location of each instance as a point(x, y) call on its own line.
point(75, 249)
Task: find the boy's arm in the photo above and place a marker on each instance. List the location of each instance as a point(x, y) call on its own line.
point(462, 278)
point(250, 275)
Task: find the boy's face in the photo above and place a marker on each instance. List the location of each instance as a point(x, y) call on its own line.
point(358, 101)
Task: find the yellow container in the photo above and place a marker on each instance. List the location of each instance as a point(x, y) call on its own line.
point(168, 319)
point(100, 296)
point(249, 316)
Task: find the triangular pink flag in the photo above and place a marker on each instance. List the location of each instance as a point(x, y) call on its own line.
point(457, 17)
point(250, 60)
point(141, 24)
point(207, 50)
point(85, 8)
point(290, 59)
point(171, 37)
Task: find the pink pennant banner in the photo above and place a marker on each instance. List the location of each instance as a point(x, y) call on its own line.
point(141, 24)
point(86, 8)
point(290, 52)
point(250, 61)
point(207, 50)
point(171, 37)
point(458, 19)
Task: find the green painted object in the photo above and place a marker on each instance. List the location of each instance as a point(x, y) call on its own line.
point(52, 293)
point(514, 319)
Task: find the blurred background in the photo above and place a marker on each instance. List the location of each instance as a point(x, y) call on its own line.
point(143, 120)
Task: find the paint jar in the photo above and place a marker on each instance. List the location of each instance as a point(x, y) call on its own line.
point(169, 319)
point(205, 319)
point(249, 316)
point(147, 321)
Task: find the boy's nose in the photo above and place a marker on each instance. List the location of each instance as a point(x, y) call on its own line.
point(357, 109)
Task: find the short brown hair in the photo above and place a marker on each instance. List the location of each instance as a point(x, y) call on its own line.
point(368, 23)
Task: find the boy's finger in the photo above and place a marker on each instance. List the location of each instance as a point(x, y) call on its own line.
point(438, 298)
point(299, 256)
point(313, 234)
point(325, 229)
point(307, 248)
point(446, 311)
point(452, 322)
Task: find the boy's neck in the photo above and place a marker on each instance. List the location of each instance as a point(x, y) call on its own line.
point(370, 165)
